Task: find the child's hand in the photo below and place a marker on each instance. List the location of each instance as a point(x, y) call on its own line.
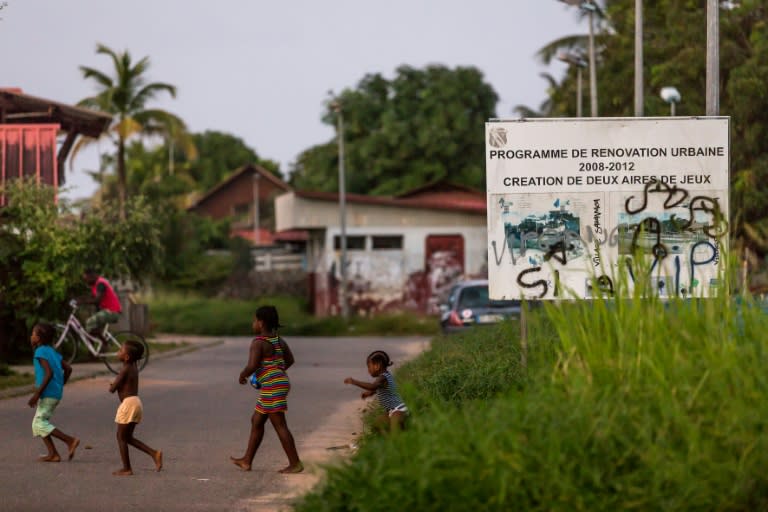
point(348, 380)
point(366, 394)
point(33, 401)
point(242, 380)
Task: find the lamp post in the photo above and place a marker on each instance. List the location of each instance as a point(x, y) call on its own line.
point(578, 61)
point(713, 58)
point(589, 8)
point(672, 96)
point(638, 58)
point(336, 106)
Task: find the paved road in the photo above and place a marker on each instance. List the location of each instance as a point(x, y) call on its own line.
point(198, 415)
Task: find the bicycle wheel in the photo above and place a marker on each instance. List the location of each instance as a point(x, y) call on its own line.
point(115, 341)
point(67, 346)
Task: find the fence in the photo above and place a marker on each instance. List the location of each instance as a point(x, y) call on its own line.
point(268, 262)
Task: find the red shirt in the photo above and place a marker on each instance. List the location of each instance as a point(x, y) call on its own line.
point(109, 300)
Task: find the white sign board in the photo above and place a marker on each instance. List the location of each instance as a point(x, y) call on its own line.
point(572, 201)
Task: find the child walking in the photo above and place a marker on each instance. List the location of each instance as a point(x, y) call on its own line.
point(51, 373)
point(130, 412)
point(383, 386)
point(269, 357)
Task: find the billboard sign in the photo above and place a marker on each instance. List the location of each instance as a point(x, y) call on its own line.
point(570, 202)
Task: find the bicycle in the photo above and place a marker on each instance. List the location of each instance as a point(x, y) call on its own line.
point(72, 333)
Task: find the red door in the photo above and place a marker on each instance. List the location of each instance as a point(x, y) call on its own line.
point(444, 266)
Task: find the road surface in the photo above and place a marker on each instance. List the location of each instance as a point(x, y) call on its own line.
point(197, 413)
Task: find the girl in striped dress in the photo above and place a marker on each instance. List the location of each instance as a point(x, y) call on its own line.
point(383, 386)
point(269, 357)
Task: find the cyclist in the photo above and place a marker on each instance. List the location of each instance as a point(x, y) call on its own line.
point(107, 303)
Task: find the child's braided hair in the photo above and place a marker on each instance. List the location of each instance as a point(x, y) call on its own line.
point(379, 357)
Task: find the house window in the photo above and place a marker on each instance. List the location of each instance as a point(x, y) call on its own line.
point(387, 242)
point(355, 243)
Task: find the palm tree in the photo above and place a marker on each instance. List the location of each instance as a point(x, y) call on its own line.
point(125, 96)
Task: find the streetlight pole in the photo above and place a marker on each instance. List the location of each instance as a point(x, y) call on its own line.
point(587, 5)
point(638, 58)
point(579, 95)
point(336, 105)
point(592, 68)
point(713, 58)
point(672, 96)
point(576, 60)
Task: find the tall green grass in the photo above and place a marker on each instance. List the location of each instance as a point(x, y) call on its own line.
point(636, 404)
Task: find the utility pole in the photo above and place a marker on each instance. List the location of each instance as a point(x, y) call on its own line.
point(336, 105)
point(638, 58)
point(592, 62)
point(713, 58)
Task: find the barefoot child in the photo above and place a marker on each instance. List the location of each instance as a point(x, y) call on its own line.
point(269, 357)
point(383, 386)
point(130, 411)
point(51, 373)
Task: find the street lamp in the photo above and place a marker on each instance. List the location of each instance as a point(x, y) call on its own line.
point(336, 106)
point(575, 59)
point(713, 58)
point(638, 58)
point(589, 8)
point(672, 96)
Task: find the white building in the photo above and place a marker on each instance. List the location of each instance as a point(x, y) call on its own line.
point(402, 252)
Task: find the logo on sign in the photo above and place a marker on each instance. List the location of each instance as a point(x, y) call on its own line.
point(497, 137)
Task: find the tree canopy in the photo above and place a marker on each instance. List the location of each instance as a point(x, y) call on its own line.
point(421, 126)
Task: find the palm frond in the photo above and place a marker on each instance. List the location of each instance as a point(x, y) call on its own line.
point(104, 80)
point(105, 50)
point(148, 92)
point(577, 42)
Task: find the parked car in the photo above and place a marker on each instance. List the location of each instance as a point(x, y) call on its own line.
point(468, 305)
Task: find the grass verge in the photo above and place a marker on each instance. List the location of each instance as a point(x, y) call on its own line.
point(625, 405)
point(189, 314)
point(11, 379)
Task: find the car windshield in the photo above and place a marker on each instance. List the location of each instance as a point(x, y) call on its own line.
point(477, 297)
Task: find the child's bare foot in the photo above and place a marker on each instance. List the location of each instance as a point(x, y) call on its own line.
point(295, 468)
point(73, 447)
point(241, 463)
point(122, 472)
point(50, 458)
point(158, 456)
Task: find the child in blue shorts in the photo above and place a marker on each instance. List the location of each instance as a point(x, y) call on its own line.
point(51, 373)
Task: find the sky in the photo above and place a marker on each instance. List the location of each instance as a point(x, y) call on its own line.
point(261, 70)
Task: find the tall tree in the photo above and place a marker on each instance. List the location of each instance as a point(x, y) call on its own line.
point(417, 128)
point(125, 95)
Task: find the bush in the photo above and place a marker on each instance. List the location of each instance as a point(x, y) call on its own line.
point(44, 248)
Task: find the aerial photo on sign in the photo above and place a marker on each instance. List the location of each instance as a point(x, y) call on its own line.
point(573, 204)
